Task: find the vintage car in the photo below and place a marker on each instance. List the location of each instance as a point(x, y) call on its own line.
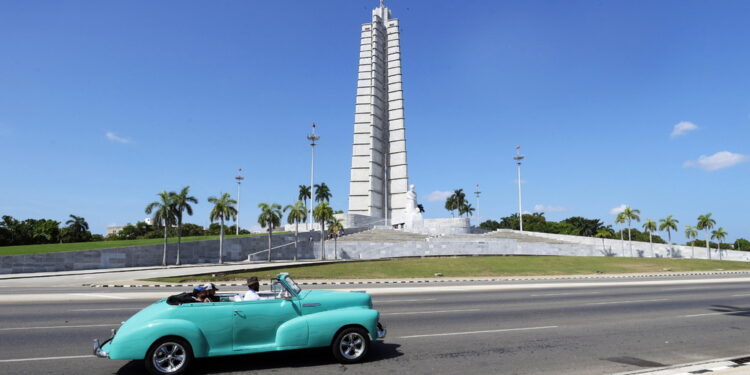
point(169, 337)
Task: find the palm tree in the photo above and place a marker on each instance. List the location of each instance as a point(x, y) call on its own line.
point(322, 214)
point(468, 210)
point(297, 214)
point(719, 234)
point(304, 194)
point(450, 204)
point(650, 226)
point(705, 223)
point(77, 226)
point(669, 224)
point(631, 214)
point(270, 217)
point(181, 203)
point(460, 201)
point(620, 219)
point(690, 232)
point(164, 213)
point(223, 210)
point(322, 193)
point(603, 233)
point(335, 226)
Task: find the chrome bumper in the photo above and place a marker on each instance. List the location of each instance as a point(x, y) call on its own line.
point(98, 349)
point(381, 331)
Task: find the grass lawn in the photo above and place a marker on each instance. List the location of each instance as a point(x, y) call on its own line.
point(57, 247)
point(478, 266)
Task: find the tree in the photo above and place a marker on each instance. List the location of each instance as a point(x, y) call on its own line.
point(742, 244)
point(620, 219)
point(450, 204)
point(335, 226)
point(705, 223)
point(585, 227)
point(460, 201)
point(304, 194)
point(223, 210)
point(603, 233)
point(297, 214)
point(163, 211)
point(77, 228)
point(690, 232)
point(669, 224)
point(270, 217)
point(181, 202)
point(322, 214)
point(631, 215)
point(719, 234)
point(650, 226)
point(467, 209)
point(322, 193)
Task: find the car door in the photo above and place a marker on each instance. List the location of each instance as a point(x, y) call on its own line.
point(256, 323)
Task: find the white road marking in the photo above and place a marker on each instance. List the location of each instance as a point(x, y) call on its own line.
point(429, 312)
point(477, 332)
point(406, 300)
point(740, 295)
point(96, 295)
point(633, 301)
point(716, 313)
point(114, 309)
point(56, 327)
point(46, 358)
point(563, 294)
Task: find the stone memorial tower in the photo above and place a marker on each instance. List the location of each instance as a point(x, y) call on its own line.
point(379, 179)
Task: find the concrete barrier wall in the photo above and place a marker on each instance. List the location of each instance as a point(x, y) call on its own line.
point(235, 249)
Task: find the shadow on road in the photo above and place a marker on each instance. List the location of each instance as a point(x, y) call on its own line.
point(732, 310)
point(273, 360)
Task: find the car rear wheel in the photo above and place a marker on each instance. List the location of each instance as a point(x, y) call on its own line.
point(170, 355)
point(351, 345)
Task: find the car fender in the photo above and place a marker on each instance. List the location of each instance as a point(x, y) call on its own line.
point(325, 324)
point(132, 342)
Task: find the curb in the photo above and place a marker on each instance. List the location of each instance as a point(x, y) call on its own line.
point(434, 281)
point(702, 367)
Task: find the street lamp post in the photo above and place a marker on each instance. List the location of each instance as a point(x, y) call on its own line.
point(239, 179)
point(518, 159)
point(479, 217)
point(313, 138)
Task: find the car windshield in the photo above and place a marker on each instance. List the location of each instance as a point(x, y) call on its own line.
point(293, 284)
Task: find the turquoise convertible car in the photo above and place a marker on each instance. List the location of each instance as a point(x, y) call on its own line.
point(169, 337)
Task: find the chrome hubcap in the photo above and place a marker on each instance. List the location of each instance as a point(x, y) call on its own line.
point(352, 345)
point(169, 357)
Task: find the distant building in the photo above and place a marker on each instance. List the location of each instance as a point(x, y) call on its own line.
point(114, 229)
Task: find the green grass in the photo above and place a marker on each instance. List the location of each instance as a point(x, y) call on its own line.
point(478, 266)
point(75, 246)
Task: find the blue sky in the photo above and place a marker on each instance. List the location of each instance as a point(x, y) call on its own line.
point(104, 104)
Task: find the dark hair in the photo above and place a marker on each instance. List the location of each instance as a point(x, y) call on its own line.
point(252, 281)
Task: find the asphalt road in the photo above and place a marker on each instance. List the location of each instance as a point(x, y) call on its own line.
point(582, 330)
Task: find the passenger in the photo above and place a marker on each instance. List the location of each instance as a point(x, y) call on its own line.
point(253, 286)
point(199, 294)
point(211, 290)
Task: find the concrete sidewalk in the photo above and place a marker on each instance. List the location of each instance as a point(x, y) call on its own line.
point(121, 275)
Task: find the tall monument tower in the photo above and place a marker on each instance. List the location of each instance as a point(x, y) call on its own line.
point(379, 179)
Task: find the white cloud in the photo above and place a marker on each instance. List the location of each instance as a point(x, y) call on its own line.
point(719, 160)
point(682, 128)
point(438, 196)
point(544, 208)
point(115, 138)
point(618, 209)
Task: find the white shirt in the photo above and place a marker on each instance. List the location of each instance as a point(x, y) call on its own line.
point(251, 295)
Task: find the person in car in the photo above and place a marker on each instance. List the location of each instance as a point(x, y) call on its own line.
point(253, 286)
point(211, 290)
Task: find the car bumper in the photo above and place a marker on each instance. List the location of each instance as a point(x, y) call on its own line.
point(381, 331)
point(99, 351)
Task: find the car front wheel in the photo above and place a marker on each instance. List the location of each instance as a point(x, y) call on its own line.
point(351, 345)
point(169, 356)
